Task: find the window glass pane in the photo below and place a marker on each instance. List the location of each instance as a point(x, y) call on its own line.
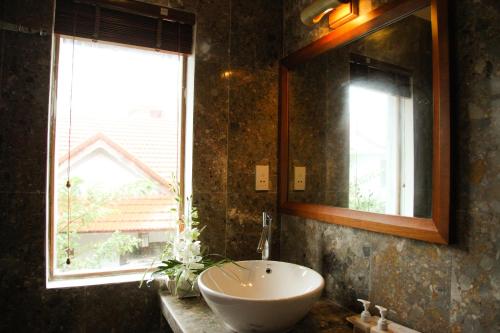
point(123, 154)
point(373, 154)
point(381, 159)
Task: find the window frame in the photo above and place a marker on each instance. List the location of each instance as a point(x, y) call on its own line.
point(51, 177)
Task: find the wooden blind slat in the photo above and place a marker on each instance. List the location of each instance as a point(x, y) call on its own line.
point(378, 75)
point(82, 19)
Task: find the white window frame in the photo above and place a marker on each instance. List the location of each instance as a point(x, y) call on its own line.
point(184, 167)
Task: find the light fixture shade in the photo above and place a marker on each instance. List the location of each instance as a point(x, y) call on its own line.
point(313, 13)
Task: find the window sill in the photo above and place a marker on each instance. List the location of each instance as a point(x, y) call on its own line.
point(95, 281)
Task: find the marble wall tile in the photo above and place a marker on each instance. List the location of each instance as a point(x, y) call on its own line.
point(343, 256)
point(414, 279)
point(20, 217)
point(212, 31)
point(126, 307)
point(299, 249)
point(252, 128)
point(429, 287)
point(255, 42)
point(256, 34)
point(212, 214)
point(22, 153)
point(26, 304)
point(475, 274)
point(244, 224)
point(60, 310)
point(475, 290)
point(39, 13)
point(347, 260)
point(252, 123)
point(210, 128)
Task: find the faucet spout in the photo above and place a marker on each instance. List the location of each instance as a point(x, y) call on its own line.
point(265, 237)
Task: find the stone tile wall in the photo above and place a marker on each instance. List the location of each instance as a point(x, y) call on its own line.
point(235, 126)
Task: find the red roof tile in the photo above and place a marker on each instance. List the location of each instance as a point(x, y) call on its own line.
point(134, 215)
point(101, 137)
point(152, 140)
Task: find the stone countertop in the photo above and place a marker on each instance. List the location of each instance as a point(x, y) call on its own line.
point(192, 315)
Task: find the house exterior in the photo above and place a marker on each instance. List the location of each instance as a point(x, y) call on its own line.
point(132, 161)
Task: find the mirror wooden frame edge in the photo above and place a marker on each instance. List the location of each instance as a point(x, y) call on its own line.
point(434, 229)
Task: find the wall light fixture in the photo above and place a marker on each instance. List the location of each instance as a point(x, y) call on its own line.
point(313, 13)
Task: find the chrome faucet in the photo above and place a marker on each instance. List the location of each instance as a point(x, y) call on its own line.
point(264, 246)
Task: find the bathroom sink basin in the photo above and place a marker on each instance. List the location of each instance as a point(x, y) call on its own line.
point(260, 295)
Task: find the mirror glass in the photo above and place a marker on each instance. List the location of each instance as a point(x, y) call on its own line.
point(360, 123)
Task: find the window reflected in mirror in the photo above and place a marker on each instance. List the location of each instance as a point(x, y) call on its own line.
point(381, 134)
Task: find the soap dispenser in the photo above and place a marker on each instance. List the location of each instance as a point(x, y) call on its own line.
point(364, 322)
point(382, 324)
point(365, 315)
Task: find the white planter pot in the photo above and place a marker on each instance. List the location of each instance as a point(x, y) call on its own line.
point(185, 289)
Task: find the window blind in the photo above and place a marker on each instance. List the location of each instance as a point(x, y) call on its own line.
point(126, 22)
point(378, 75)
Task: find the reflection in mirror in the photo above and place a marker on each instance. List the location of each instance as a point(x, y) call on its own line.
point(360, 123)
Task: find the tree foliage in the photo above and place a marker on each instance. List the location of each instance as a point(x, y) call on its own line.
point(88, 205)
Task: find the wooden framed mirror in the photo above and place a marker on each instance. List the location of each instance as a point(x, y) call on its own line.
point(365, 124)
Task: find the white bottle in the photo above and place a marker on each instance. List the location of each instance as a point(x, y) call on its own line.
point(365, 315)
point(382, 323)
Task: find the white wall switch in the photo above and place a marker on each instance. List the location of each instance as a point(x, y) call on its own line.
point(262, 177)
point(299, 178)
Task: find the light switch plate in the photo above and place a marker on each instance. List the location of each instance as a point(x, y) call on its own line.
point(262, 177)
point(299, 178)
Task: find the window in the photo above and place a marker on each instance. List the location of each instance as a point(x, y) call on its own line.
point(117, 137)
point(381, 135)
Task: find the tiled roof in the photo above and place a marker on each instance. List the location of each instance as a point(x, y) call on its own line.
point(134, 215)
point(149, 141)
point(99, 137)
point(149, 138)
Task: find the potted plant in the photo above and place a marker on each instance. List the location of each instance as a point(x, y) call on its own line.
point(183, 259)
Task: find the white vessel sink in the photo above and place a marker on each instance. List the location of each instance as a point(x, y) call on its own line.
point(260, 295)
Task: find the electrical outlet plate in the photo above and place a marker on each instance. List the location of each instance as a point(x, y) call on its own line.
point(299, 178)
point(262, 177)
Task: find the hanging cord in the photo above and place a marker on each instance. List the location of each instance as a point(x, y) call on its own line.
point(181, 216)
point(179, 120)
point(68, 182)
